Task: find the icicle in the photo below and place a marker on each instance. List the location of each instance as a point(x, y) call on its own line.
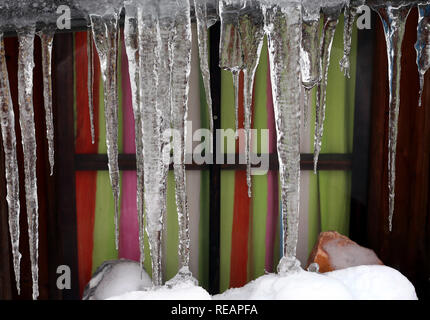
point(105, 33)
point(166, 23)
point(307, 99)
point(422, 45)
point(350, 12)
point(7, 118)
point(331, 19)
point(394, 21)
point(251, 28)
point(149, 52)
point(203, 23)
point(47, 38)
point(230, 50)
point(181, 67)
point(236, 75)
point(26, 119)
point(131, 37)
point(90, 83)
point(283, 25)
point(180, 87)
point(309, 52)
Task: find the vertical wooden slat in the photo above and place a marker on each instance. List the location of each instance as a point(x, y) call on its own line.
point(63, 84)
point(215, 171)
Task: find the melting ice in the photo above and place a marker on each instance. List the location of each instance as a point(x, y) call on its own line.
point(284, 28)
point(157, 37)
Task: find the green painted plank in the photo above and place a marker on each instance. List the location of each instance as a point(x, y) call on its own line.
point(227, 182)
point(204, 200)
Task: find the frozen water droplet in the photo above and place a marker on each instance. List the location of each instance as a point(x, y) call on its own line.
point(314, 267)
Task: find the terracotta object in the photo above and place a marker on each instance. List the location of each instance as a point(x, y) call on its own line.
point(334, 251)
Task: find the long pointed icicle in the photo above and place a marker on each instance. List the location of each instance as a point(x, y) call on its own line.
point(350, 12)
point(26, 119)
point(422, 45)
point(200, 7)
point(251, 27)
point(331, 19)
point(283, 25)
point(181, 67)
point(47, 39)
point(131, 37)
point(166, 25)
point(394, 22)
point(310, 54)
point(90, 83)
point(105, 33)
point(149, 51)
point(230, 50)
point(236, 77)
point(7, 121)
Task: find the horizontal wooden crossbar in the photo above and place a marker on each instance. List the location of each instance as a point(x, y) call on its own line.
point(331, 161)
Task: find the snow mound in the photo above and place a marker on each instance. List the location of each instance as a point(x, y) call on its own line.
point(375, 283)
point(116, 277)
point(180, 291)
point(357, 283)
point(121, 280)
point(302, 285)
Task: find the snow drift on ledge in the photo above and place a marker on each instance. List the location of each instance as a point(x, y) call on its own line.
point(356, 283)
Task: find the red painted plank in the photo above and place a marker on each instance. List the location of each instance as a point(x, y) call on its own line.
point(86, 181)
point(241, 212)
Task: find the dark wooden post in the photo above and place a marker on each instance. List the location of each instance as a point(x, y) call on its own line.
point(215, 171)
point(63, 84)
point(360, 158)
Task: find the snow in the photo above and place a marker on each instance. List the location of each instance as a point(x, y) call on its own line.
point(302, 285)
point(356, 283)
point(181, 291)
point(115, 278)
point(349, 255)
point(375, 283)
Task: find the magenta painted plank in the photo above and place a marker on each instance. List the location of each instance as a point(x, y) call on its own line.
point(272, 183)
point(129, 227)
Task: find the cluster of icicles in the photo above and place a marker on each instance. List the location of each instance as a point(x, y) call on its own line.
point(157, 36)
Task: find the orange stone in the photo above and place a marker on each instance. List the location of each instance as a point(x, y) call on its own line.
point(334, 251)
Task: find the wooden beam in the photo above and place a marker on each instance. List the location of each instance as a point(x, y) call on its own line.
point(99, 162)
